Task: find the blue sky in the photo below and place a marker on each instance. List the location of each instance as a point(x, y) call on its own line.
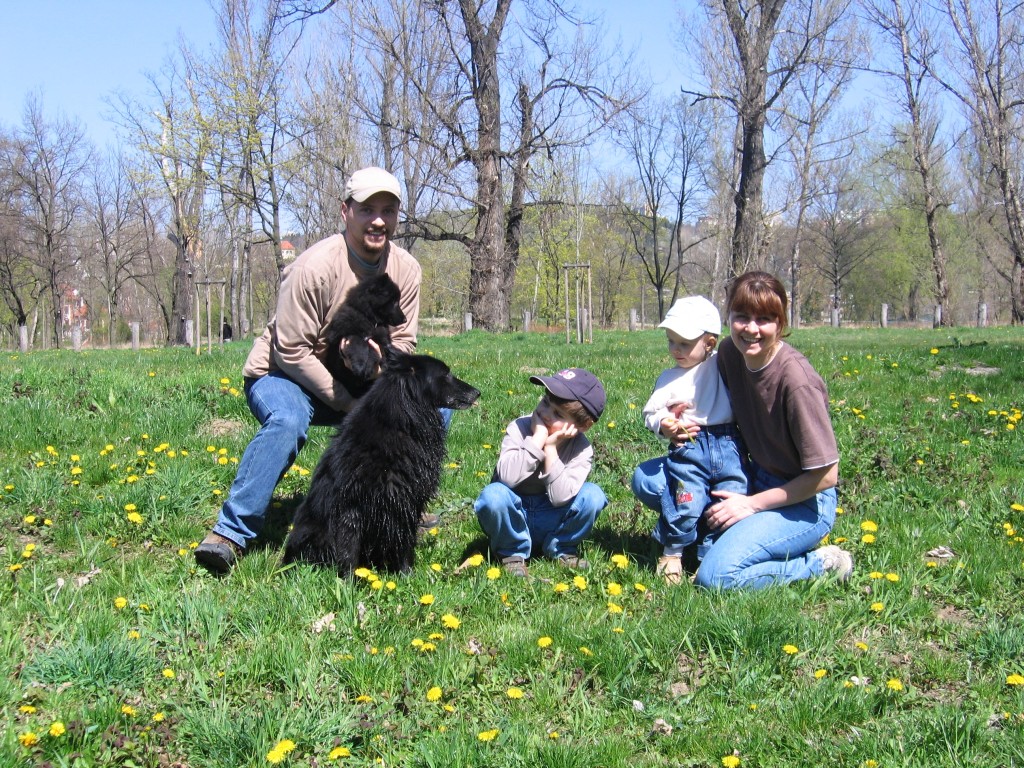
point(77, 52)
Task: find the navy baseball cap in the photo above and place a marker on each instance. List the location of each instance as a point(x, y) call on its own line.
point(576, 384)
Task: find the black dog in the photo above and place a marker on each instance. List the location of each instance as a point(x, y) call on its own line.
point(369, 308)
point(381, 470)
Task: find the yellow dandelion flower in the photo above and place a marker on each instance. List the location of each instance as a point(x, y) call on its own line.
point(544, 641)
point(364, 699)
point(57, 729)
point(561, 587)
point(120, 603)
point(339, 752)
point(28, 739)
point(159, 717)
point(620, 561)
point(128, 710)
point(579, 582)
point(820, 673)
point(586, 651)
point(475, 561)
point(426, 600)
point(868, 538)
point(514, 693)
point(893, 577)
point(14, 567)
point(490, 735)
point(869, 525)
point(436, 567)
point(614, 608)
point(553, 735)
point(933, 351)
point(168, 673)
point(1015, 679)
point(135, 518)
point(129, 507)
point(640, 587)
point(861, 646)
point(790, 649)
point(894, 685)
point(493, 573)
point(27, 709)
point(434, 694)
point(730, 761)
point(614, 589)
point(450, 621)
point(133, 634)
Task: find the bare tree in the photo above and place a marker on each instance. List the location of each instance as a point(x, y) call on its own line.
point(175, 137)
point(987, 76)
point(840, 227)
point(812, 138)
point(667, 143)
point(908, 31)
point(771, 42)
point(117, 225)
point(47, 160)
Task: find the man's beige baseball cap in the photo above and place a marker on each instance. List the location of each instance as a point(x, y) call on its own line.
point(369, 181)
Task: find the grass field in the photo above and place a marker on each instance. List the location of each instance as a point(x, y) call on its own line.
point(115, 651)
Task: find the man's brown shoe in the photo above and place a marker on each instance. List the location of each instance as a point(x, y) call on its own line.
point(217, 554)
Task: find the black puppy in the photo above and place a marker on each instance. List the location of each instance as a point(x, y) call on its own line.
point(382, 468)
point(367, 312)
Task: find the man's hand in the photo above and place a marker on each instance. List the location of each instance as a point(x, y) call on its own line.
point(343, 349)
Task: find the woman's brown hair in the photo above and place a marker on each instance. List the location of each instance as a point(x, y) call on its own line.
point(759, 293)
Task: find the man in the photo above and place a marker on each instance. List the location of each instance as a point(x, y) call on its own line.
point(286, 384)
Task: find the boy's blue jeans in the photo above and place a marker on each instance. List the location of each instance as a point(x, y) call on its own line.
point(712, 461)
point(285, 411)
point(514, 523)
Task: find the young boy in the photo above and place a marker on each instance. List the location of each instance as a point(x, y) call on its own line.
point(538, 497)
point(694, 467)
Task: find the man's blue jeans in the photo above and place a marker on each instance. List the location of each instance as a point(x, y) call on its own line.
point(285, 411)
point(773, 546)
point(514, 523)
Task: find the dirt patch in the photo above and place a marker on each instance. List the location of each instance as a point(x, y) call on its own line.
point(222, 427)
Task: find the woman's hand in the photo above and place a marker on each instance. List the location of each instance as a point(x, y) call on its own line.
point(732, 508)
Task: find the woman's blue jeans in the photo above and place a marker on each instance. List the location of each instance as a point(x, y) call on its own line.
point(285, 411)
point(515, 524)
point(773, 546)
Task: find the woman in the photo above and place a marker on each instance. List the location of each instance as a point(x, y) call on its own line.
point(780, 403)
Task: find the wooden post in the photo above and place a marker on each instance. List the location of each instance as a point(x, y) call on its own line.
point(885, 315)
point(937, 318)
point(135, 336)
point(526, 321)
point(566, 268)
point(76, 337)
point(632, 318)
point(982, 315)
point(467, 321)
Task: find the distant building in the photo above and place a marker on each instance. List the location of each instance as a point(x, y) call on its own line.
point(74, 310)
point(287, 250)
